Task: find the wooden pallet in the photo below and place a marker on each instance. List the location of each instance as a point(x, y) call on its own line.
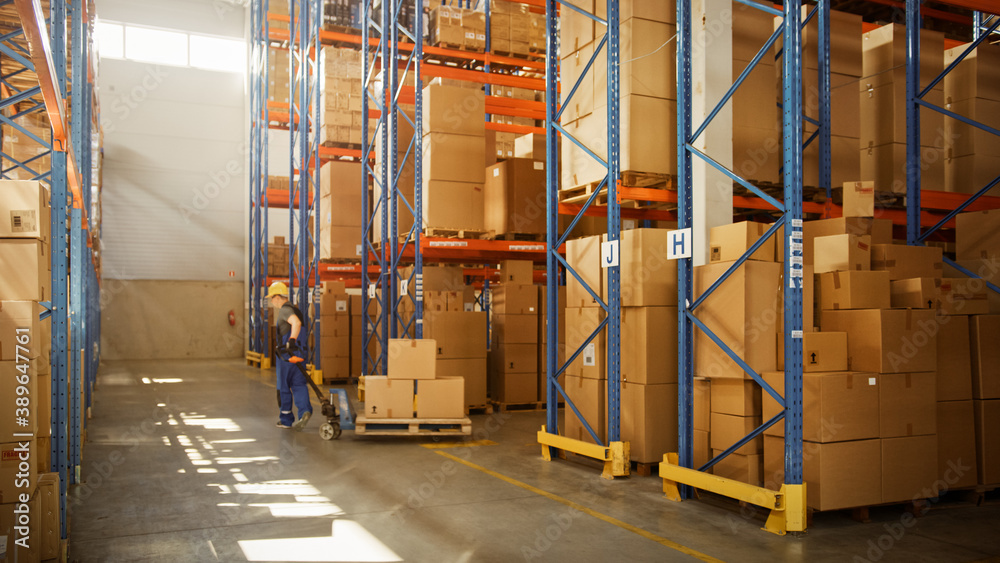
point(458, 233)
point(413, 426)
point(346, 146)
point(579, 194)
point(336, 381)
point(524, 407)
point(523, 237)
point(479, 409)
point(525, 56)
point(457, 47)
point(636, 179)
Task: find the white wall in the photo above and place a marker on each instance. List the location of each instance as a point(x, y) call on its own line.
point(175, 167)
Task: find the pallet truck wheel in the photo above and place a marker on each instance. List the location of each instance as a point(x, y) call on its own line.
point(329, 431)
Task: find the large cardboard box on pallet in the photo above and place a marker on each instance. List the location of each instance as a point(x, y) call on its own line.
point(454, 158)
point(909, 468)
point(649, 345)
point(580, 324)
point(837, 474)
point(514, 299)
point(737, 397)
point(648, 278)
point(515, 387)
point(745, 468)
point(454, 205)
point(836, 406)
point(24, 210)
point(412, 359)
point(454, 110)
point(977, 76)
point(584, 256)
point(985, 356)
point(956, 443)
point(515, 196)
point(388, 398)
point(987, 415)
point(457, 334)
point(954, 372)
point(906, 404)
point(649, 420)
point(515, 329)
point(728, 429)
point(29, 274)
point(441, 398)
point(743, 312)
point(895, 341)
point(647, 65)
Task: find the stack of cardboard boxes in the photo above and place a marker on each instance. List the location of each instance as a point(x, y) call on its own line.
point(21, 145)
point(25, 358)
point(357, 335)
point(648, 343)
point(454, 157)
point(514, 348)
point(458, 28)
point(342, 192)
point(883, 109)
point(460, 331)
point(413, 387)
point(515, 30)
point(342, 96)
point(972, 90)
point(278, 61)
point(277, 257)
point(504, 143)
point(335, 331)
point(515, 197)
point(647, 98)
point(756, 125)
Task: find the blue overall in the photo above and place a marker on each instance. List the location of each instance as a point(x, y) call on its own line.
point(292, 385)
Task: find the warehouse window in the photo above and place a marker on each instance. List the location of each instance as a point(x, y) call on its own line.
point(170, 47)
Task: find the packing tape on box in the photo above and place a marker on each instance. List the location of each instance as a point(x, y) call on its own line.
point(850, 381)
point(836, 280)
point(909, 319)
point(909, 429)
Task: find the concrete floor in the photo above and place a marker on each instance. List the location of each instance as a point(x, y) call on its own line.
point(183, 463)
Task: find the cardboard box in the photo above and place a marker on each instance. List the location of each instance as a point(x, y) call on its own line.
point(454, 158)
point(909, 468)
point(702, 448)
point(976, 235)
point(954, 373)
point(841, 253)
point(702, 403)
point(11, 454)
point(903, 261)
point(473, 371)
point(512, 387)
point(880, 231)
point(454, 110)
point(887, 165)
point(443, 278)
point(965, 139)
point(728, 429)
point(894, 341)
point(24, 210)
point(885, 49)
point(906, 404)
point(584, 255)
point(882, 110)
point(836, 406)
point(580, 324)
point(649, 420)
point(648, 278)
point(589, 396)
point(854, 290)
point(743, 312)
point(412, 359)
point(12, 378)
point(514, 358)
point(454, 205)
point(968, 174)
point(729, 243)
point(513, 299)
point(654, 10)
point(824, 351)
point(987, 415)
point(914, 293)
point(517, 272)
point(30, 259)
point(976, 76)
point(16, 315)
point(859, 199)
point(985, 356)
point(515, 329)
point(739, 467)
point(956, 435)
point(961, 296)
point(530, 146)
point(646, 69)
point(840, 474)
point(457, 334)
point(649, 345)
point(441, 398)
point(515, 196)
point(388, 398)
point(737, 397)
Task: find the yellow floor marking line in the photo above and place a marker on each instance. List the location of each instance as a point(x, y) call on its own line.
point(610, 520)
point(447, 445)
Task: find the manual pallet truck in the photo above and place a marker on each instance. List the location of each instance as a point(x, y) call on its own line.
point(339, 416)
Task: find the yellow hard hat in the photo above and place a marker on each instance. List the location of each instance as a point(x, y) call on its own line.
point(277, 288)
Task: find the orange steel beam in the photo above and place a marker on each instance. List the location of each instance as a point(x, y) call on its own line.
point(936, 14)
point(279, 199)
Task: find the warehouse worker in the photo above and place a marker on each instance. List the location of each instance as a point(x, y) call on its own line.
point(291, 382)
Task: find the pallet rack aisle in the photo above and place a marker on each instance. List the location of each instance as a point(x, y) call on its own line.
point(35, 75)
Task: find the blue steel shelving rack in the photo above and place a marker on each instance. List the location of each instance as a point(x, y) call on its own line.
point(384, 90)
point(788, 511)
point(304, 167)
point(615, 454)
point(41, 60)
point(982, 29)
point(259, 126)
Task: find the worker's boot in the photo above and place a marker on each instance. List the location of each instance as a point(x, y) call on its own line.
point(301, 423)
